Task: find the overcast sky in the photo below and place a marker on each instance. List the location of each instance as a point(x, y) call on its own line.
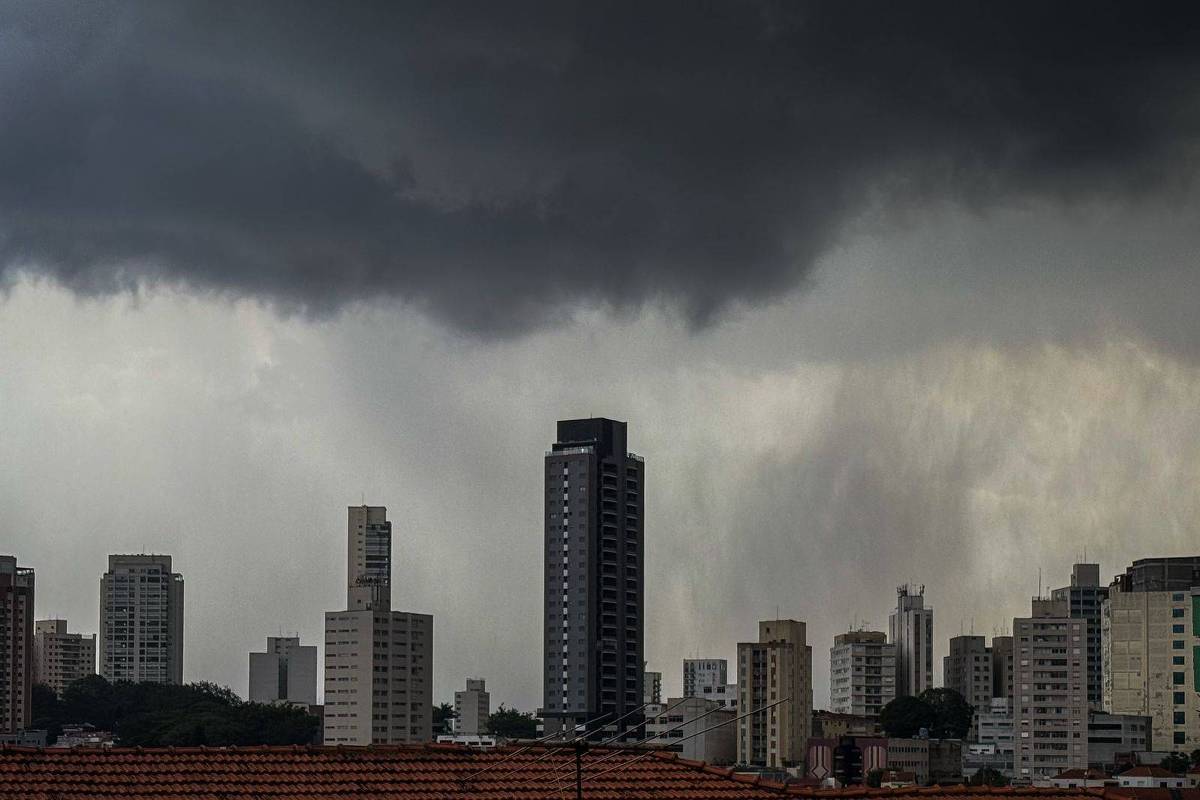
point(886, 293)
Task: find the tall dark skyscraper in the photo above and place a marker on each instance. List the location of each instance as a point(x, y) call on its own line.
point(594, 577)
point(1085, 600)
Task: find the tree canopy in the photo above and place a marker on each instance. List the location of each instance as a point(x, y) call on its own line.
point(943, 713)
point(153, 714)
point(512, 724)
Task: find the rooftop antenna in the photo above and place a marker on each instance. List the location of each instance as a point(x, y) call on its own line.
point(972, 625)
point(1039, 583)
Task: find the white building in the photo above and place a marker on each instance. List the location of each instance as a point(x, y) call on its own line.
point(1150, 777)
point(862, 673)
point(141, 620)
point(285, 673)
point(472, 707)
point(1050, 704)
point(378, 662)
point(700, 674)
point(694, 728)
point(911, 629)
point(61, 658)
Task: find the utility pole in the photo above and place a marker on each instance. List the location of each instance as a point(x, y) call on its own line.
point(580, 748)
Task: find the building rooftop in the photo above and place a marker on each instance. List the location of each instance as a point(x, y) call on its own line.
point(428, 772)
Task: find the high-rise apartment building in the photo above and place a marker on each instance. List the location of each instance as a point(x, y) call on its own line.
point(1085, 598)
point(1151, 654)
point(778, 667)
point(1174, 574)
point(61, 658)
point(16, 645)
point(594, 578)
point(472, 707)
point(862, 673)
point(286, 672)
point(378, 662)
point(1050, 702)
point(911, 628)
point(1002, 666)
point(968, 671)
point(651, 687)
point(141, 620)
point(700, 674)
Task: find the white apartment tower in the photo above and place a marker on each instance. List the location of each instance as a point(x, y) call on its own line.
point(862, 673)
point(285, 673)
point(1050, 702)
point(778, 667)
point(378, 662)
point(911, 627)
point(472, 707)
point(141, 620)
point(61, 658)
point(16, 645)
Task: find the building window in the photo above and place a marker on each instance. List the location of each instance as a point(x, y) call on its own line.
point(1177, 613)
point(1177, 678)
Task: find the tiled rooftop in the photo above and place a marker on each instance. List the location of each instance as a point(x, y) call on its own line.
point(429, 772)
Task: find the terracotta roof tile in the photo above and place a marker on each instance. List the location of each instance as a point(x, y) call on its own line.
point(431, 772)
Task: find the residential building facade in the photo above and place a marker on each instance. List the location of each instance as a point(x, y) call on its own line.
point(594, 587)
point(862, 673)
point(778, 667)
point(911, 630)
point(695, 728)
point(1112, 737)
point(472, 707)
point(61, 658)
point(286, 672)
point(141, 620)
point(699, 673)
point(1002, 666)
point(1050, 685)
point(378, 662)
point(968, 671)
point(1085, 599)
point(16, 645)
point(1151, 654)
point(651, 687)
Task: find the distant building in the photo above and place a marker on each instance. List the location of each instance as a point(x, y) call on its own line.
point(845, 759)
point(831, 725)
point(285, 673)
point(141, 620)
point(909, 755)
point(378, 662)
point(61, 658)
point(1149, 647)
point(651, 687)
point(1154, 778)
point(1002, 666)
point(704, 673)
point(593, 647)
point(778, 667)
point(993, 746)
point(472, 707)
point(1079, 779)
point(968, 671)
point(1111, 737)
point(1085, 598)
point(694, 721)
point(1176, 574)
point(911, 628)
point(862, 673)
point(1050, 704)
point(16, 645)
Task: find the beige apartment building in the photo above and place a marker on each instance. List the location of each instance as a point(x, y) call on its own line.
point(472, 707)
point(378, 662)
point(1149, 650)
point(16, 645)
point(776, 667)
point(61, 658)
point(1050, 708)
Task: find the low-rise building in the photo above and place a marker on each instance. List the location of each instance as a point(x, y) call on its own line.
point(1079, 779)
point(910, 755)
point(1111, 737)
point(1149, 777)
point(828, 725)
point(704, 729)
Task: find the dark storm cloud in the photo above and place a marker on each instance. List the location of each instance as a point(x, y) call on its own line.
point(494, 163)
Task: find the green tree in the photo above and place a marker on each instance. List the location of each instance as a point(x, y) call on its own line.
point(509, 723)
point(904, 717)
point(952, 713)
point(987, 776)
point(442, 714)
point(152, 714)
point(1176, 762)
